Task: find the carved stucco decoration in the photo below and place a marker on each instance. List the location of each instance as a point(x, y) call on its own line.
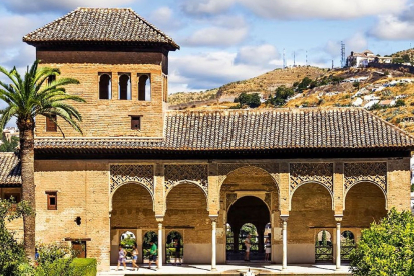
point(373, 172)
point(230, 199)
point(194, 174)
point(302, 173)
point(268, 200)
point(123, 174)
point(225, 169)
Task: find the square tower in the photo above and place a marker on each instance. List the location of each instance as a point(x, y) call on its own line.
point(121, 61)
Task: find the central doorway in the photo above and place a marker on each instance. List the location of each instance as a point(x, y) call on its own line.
point(248, 216)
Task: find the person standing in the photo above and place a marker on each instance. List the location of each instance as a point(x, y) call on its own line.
point(268, 245)
point(247, 243)
point(135, 254)
point(121, 257)
point(153, 254)
point(177, 246)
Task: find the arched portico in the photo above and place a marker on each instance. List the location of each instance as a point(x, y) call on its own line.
point(311, 213)
point(243, 186)
point(132, 210)
point(186, 212)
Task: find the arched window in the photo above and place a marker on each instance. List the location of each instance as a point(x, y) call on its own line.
point(105, 86)
point(144, 87)
point(124, 87)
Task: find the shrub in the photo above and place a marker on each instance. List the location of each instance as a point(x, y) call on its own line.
point(12, 256)
point(386, 248)
point(251, 100)
point(399, 102)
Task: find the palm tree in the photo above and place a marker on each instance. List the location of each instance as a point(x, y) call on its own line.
point(35, 94)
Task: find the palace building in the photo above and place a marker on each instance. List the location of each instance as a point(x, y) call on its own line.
point(312, 178)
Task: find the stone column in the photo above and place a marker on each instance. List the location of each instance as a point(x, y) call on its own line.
point(338, 242)
point(284, 233)
point(213, 242)
point(160, 241)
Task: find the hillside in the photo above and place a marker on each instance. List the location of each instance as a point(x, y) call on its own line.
point(263, 84)
point(389, 94)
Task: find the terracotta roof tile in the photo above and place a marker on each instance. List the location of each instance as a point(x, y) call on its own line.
point(10, 169)
point(100, 25)
point(339, 128)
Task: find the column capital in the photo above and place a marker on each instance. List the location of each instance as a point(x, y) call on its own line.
point(284, 217)
point(213, 218)
point(159, 219)
point(338, 218)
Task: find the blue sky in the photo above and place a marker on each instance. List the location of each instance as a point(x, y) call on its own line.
point(229, 40)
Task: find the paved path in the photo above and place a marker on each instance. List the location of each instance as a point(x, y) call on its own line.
point(233, 269)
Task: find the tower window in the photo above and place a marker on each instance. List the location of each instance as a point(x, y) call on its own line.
point(124, 87)
point(105, 86)
point(51, 200)
point(50, 123)
point(144, 87)
point(136, 122)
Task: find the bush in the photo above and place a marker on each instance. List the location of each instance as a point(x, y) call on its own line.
point(251, 100)
point(12, 255)
point(386, 248)
point(399, 102)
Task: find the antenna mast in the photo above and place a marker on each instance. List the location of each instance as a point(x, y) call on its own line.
point(306, 58)
point(294, 59)
point(284, 59)
point(343, 60)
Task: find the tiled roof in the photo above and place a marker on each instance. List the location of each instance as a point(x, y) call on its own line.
point(10, 169)
point(101, 25)
point(339, 128)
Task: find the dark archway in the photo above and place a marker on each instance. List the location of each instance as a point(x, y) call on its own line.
point(253, 210)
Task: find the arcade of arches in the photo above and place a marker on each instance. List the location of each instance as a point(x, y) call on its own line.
point(298, 200)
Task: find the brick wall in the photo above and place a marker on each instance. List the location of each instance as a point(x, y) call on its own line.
point(82, 191)
point(110, 118)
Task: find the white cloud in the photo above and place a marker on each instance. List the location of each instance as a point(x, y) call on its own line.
point(205, 7)
point(205, 71)
point(24, 6)
point(163, 18)
point(322, 9)
point(222, 31)
point(391, 27)
point(259, 55)
point(217, 36)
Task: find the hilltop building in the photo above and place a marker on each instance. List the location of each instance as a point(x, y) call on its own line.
point(142, 169)
point(364, 58)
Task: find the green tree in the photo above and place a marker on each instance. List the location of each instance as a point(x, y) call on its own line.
point(9, 146)
point(251, 100)
point(281, 96)
point(399, 102)
point(406, 58)
point(304, 84)
point(12, 252)
point(386, 248)
point(324, 242)
point(27, 97)
point(397, 60)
